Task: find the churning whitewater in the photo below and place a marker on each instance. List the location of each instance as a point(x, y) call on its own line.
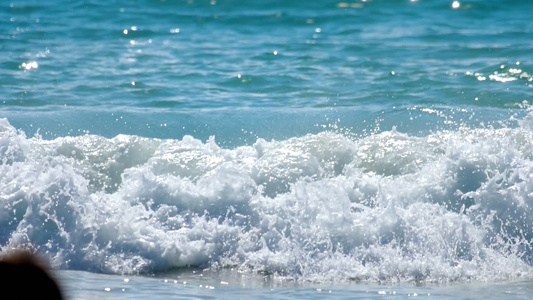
point(448, 206)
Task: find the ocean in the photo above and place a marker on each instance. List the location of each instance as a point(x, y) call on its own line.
point(218, 149)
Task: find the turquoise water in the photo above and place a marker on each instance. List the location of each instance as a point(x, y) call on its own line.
point(135, 67)
point(312, 142)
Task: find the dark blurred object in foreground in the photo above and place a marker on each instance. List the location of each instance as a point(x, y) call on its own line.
point(23, 276)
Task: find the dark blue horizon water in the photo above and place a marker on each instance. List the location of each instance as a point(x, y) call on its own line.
point(309, 141)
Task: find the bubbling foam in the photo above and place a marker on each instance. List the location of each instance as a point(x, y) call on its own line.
point(449, 206)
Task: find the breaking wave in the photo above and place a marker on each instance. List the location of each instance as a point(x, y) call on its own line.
point(449, 206)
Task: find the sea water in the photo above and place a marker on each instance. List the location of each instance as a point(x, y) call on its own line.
point(270, 149)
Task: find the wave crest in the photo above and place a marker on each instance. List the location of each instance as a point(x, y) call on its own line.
point(452, 205)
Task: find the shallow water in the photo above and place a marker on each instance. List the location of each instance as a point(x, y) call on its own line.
point(83, 285)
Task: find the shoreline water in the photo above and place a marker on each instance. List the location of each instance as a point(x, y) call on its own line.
point(80, 285)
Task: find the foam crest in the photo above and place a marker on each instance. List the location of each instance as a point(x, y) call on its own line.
point(449, 206)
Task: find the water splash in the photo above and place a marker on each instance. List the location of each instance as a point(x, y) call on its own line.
point(449, 206)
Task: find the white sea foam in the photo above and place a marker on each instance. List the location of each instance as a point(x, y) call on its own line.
point(452, 205)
